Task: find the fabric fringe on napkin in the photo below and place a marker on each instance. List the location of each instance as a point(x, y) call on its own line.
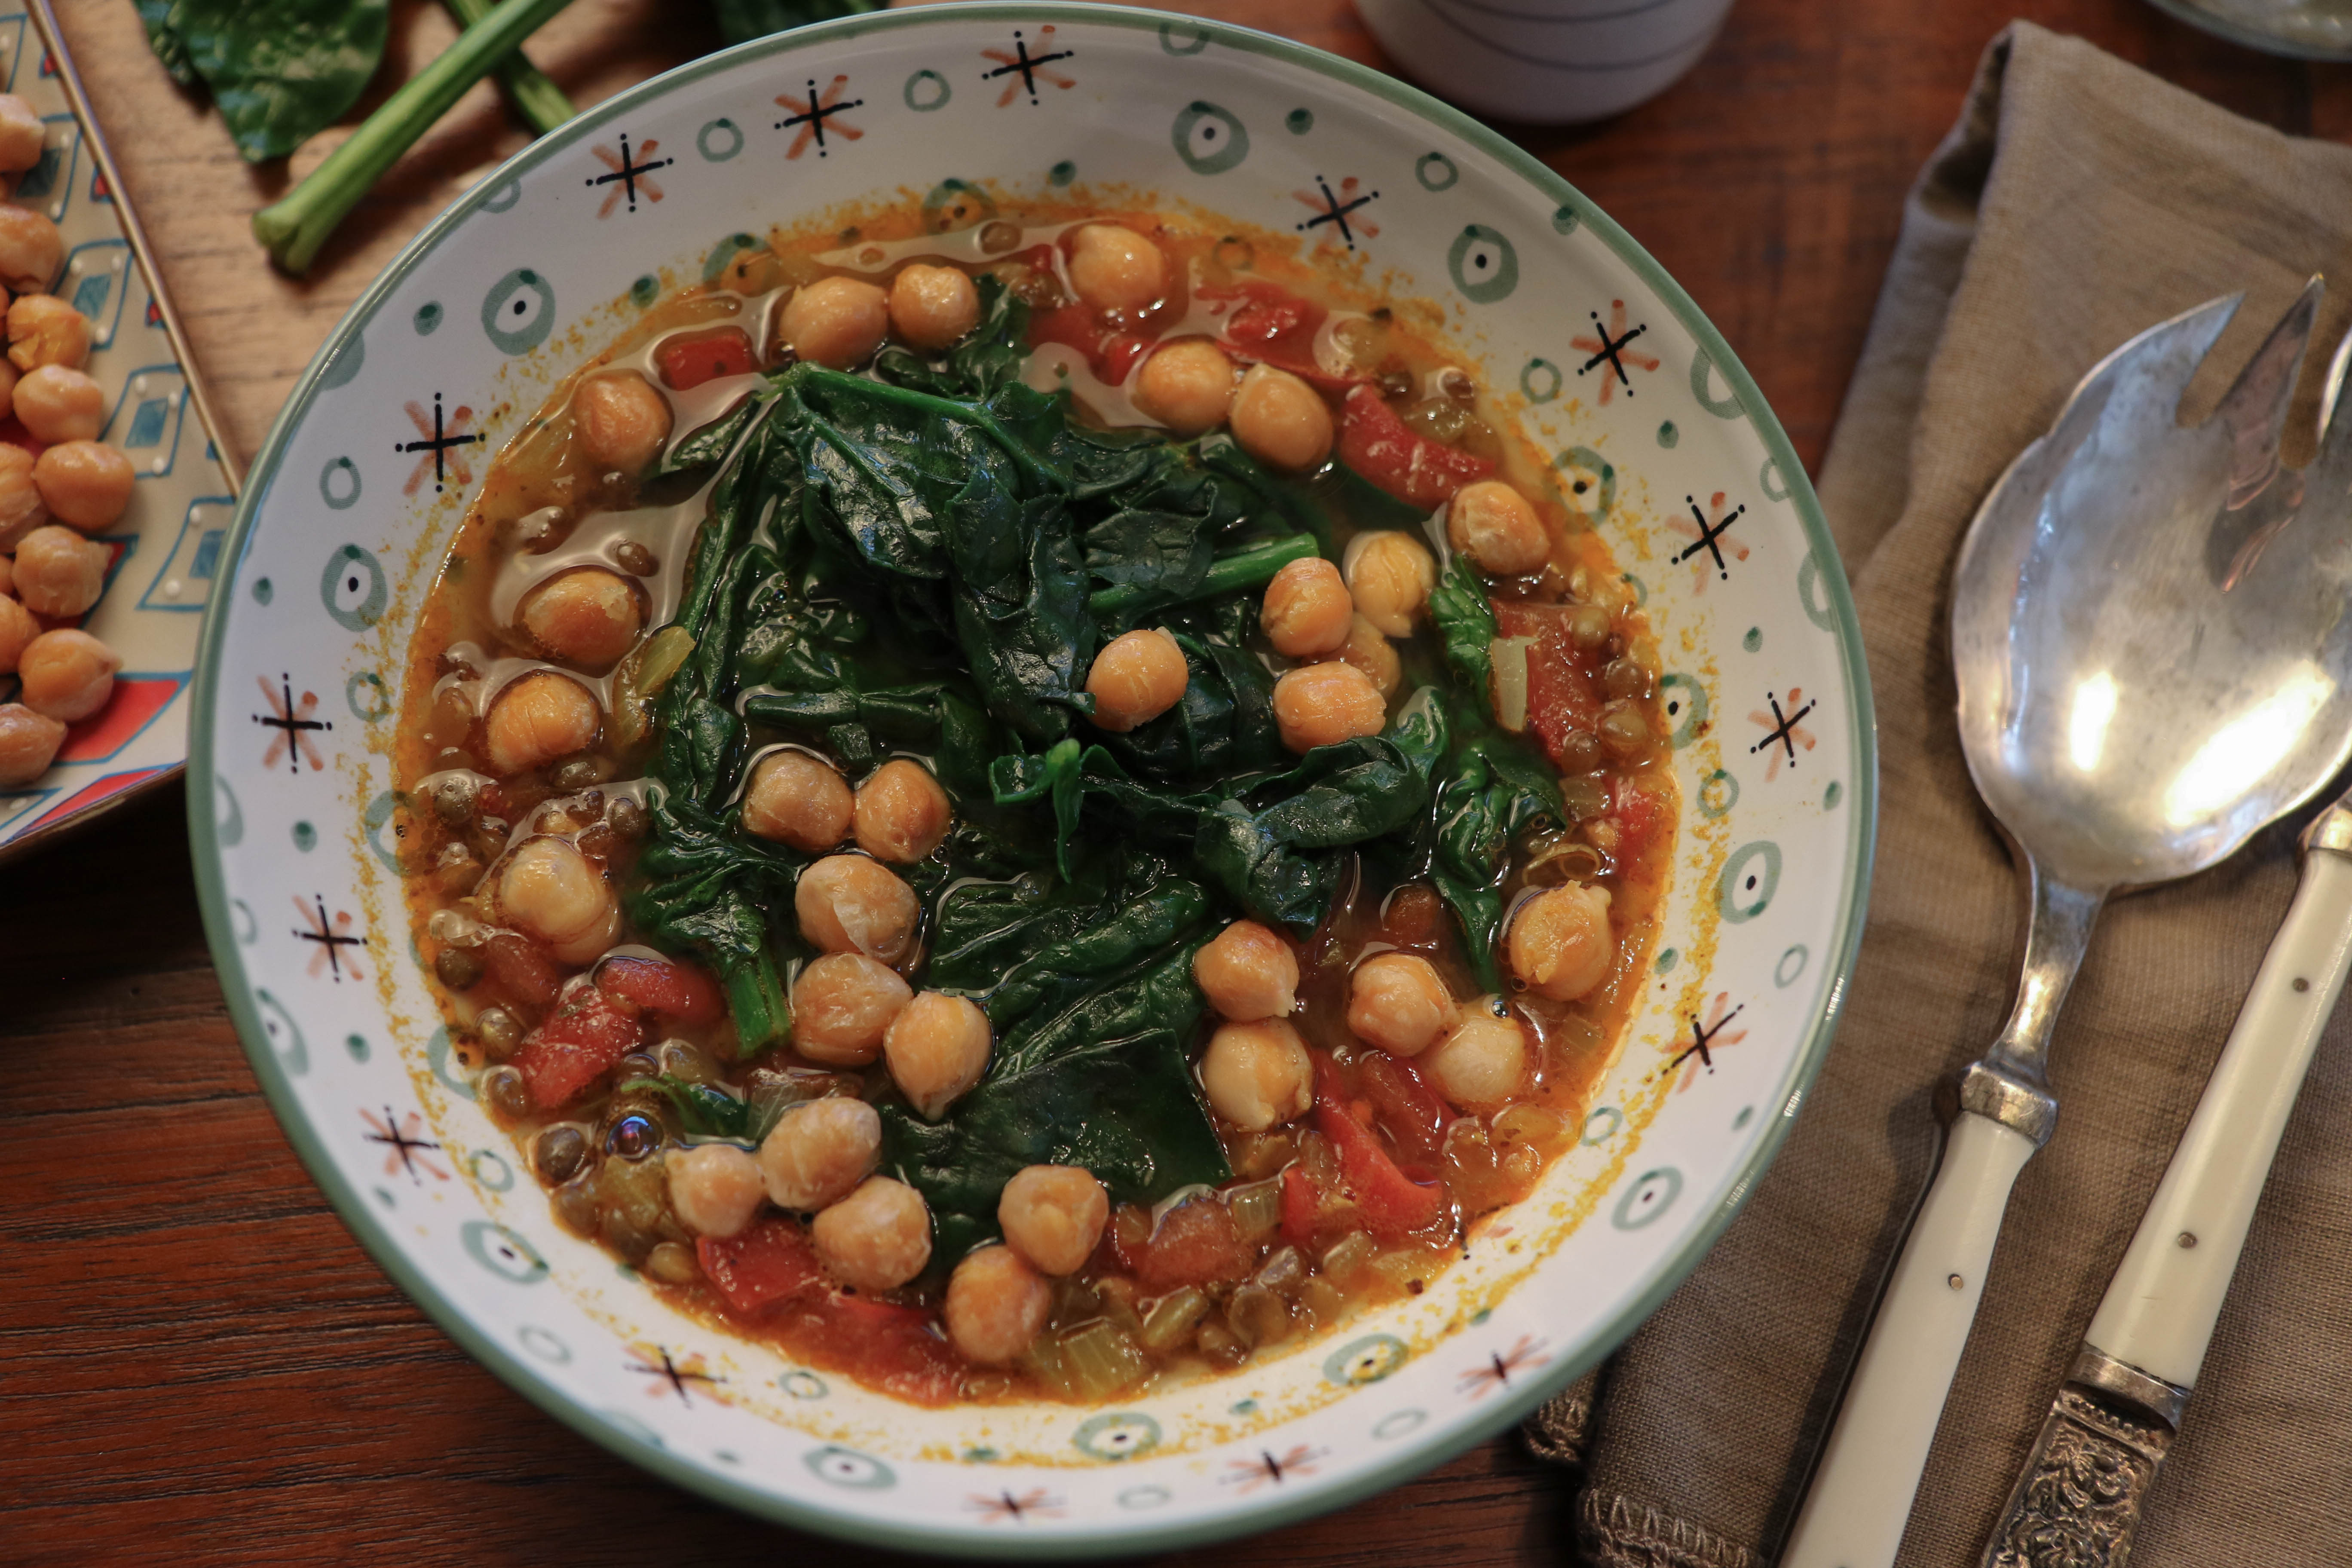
point(2077, 201)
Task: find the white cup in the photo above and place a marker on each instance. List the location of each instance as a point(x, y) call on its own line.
point(1545, 62)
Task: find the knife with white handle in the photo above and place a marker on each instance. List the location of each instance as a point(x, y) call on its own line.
point(2123, 1400)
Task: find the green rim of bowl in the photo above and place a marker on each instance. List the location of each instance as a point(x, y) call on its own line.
point(373, 1235)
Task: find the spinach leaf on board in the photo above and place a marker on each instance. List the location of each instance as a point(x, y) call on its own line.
point(280, 70)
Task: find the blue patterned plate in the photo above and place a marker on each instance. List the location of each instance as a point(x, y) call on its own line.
point(1659, 434)
point(167, 546)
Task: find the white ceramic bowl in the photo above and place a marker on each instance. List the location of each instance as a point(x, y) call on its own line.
point(1545, 62)
point(1679, 459)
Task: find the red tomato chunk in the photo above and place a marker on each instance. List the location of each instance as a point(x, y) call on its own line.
point(575, 1048)
point(1560, 696)
point(688, 363)
point(676, 990)
point(1410, 467)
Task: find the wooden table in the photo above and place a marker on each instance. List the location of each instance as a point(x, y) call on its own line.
point(195, 1360)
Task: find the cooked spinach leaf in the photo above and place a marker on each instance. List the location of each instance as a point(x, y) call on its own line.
point(1494, 788)
point(1465, 624)
point(1104, 1083)
point(925, 563)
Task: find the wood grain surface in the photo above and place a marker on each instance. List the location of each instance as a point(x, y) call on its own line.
point(196, 1362)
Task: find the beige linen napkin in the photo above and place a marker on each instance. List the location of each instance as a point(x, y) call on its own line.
point(2077, 201)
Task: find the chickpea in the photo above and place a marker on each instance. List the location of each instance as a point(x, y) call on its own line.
point(1307, 611)
point(31, 250)
point(996, 1305)
point(878, 1237)
point(902, 813)
point(933, 306)
point(1258, 1075)
point(21, 508)
point(57, 403)
point(1496, 527)
point(1559, 943)
point(1280, 420)
point(85, 483)
point(28, 743)
point(1115, 268)
point(820, 1151)
point(1398, 1002)
point(1323, 704)
point(587, 618)
point(842, 1005)
point(67, 674)
point(17, 628)
point(1391, 574)
point(549, 890)
point(1375, 655)
point(1187, 386)
point(59, 573)
point(1053, 1216)
point(1247, 973)
point(22, 135)
point(538, 719)
point(9, 377)
point(1482, 1060)
point(797, 799)
point(714, 1188)
point(1136, 677)
point(836, 322)
point(847, 903)
point(45, 329)
point(623, 421)
point(938, 1047)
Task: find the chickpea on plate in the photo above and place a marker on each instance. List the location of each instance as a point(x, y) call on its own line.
point(58, 485)
point(1021, 811)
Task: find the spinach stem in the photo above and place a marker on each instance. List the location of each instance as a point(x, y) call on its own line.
point(539, 101)
point(294, 227)
point(1242, 569)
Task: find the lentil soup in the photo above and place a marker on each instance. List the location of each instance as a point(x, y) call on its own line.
point(1021, 811)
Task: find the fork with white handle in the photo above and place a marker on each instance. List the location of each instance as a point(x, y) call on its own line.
point(2123, 1400)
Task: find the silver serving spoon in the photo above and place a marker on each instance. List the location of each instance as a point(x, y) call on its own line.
point(2155, 661)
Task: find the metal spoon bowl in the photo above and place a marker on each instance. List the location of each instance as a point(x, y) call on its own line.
point(2151, 642)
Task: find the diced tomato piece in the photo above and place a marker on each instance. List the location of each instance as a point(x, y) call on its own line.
point(1268, 316)
point(678, 991)
point(1639, 814)
point(1414, 1114)
point(688, 361)
point(1196, 1245)
point(764, 1264)
point(1409, 466)
point(576, 1045)
point(1394, 1203)
point(1271, 326)
point(772, 1271)
point(522, 967)
point(1118, 355)
point(1108, 354)
point(1561, 698)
